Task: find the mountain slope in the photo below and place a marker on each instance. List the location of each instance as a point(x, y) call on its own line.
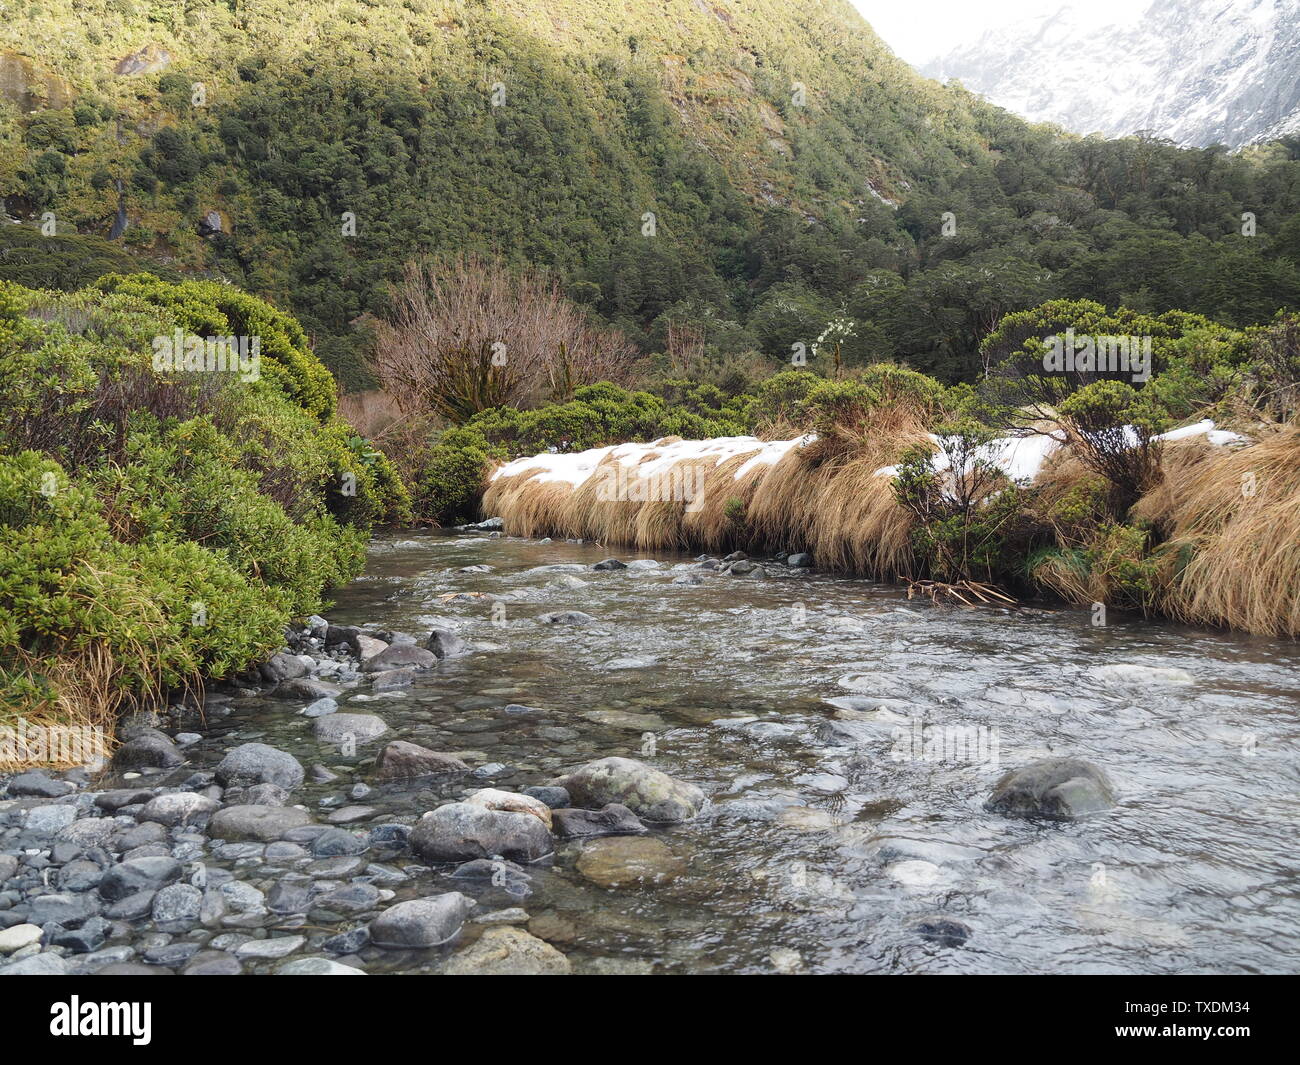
point(1198, 72)
point(747, 170)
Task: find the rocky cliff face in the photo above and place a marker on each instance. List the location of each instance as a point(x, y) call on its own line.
point(1199, 72)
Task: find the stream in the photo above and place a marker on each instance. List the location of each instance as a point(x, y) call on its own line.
point(794, 701)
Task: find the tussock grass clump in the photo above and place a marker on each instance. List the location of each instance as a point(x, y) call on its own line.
point(1235, 516)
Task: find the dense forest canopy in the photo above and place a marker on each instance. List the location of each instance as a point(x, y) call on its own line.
point(744, 176)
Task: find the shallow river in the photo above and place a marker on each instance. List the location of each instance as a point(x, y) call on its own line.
point(826, 838)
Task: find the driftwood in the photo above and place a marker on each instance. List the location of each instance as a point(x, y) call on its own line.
point(967, 593)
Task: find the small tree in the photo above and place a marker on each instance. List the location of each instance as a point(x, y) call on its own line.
point(465, 334)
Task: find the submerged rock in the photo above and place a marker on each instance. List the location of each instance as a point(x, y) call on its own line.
point(567, 617)
point(944, 931)
point(646, 791)
point(1059, 789)
point(460, 831)
point(402, 760)
point(421, 923)
point(343, 728)
point(508, 951)
point(629, 861)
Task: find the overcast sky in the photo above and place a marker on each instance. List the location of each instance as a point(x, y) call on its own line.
point(920, 30)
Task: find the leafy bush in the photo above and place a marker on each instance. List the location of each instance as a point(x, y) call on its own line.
point(165, 525)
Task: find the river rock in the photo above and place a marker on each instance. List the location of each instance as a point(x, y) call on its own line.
point(257, 763)
point(646, 791)
point(212, 963)
point(264, 794)
point(18, 937)
point(308, 688)
point(401, 656)
point(178, 808)
point(392, 679)
point(944, 931)
point(567, 617)
point(37, 785)
point(401, 760)
point(494, 799)
point(320, 707)
point(421, 923)
point(554, 797)
point(610, 564)
point(138, 874)
point(799, 560)
point(1059, 789)
point(508, 951)
point(44, 964)
point(629, 861)
point(444, 643)
point(368, 647)
point(612, 820)
point(147, 749)
point(280, 667)
point(254, 822)
point(461, 831)
point(317, 967)
point(177, 905)
point(339, 729)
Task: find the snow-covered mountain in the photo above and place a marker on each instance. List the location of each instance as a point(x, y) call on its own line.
point(1199, 72)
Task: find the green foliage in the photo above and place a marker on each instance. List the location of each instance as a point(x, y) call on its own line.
point(172, 521)
point(969, 517)
point(771, 221)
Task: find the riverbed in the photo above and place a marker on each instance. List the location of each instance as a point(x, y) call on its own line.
point(794, 699)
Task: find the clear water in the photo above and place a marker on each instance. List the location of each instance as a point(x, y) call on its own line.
point(801, 849)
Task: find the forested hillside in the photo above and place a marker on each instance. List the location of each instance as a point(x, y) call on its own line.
point(798, 174)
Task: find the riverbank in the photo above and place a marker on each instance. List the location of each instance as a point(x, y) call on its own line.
point(1215, 538)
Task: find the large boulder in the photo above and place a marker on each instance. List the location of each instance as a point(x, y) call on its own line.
point(421, 923)
point(461, 831)
point(256, 763)
point(649, 793)
point(402, 760)
point(1059, 789)
point(508, 952)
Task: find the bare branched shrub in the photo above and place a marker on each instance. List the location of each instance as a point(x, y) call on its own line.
point(466, 334)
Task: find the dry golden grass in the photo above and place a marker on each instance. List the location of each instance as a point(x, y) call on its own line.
point(824, 498)
point(1236, 515)
point(79, 721)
